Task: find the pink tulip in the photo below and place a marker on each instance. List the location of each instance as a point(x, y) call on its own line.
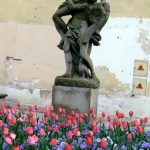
point(31, 140)
point(12, 135)
point(8, 140)
point(90, 134)
point(42, 132)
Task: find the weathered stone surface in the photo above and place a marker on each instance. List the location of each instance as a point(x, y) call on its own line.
point(77, 82)
point(74, 98)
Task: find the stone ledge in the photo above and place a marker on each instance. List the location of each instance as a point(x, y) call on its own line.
point(3, 95)
point(77, 82)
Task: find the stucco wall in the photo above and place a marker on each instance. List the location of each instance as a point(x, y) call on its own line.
point(30, 60)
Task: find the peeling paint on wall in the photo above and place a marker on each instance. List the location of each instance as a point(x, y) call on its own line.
point(108, 81)
point(144, 40)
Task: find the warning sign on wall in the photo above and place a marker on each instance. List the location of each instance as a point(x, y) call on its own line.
point(139, 86)
point(140, 68)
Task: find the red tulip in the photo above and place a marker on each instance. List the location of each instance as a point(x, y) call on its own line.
point(117, 113)
point(44, 120)
point(5, 131)
point(111, 127)
point(90, 134)
point(139, 129)
point(49, 128)
point(13, 110)
point(36, 107)
point(26, 119)
point(51, 108)
point(76, 115)
point(116, 122)
point(16, 148)
point(69, 123)
point(72, 113)
point(30, 108)
point(31, 113)
point(74, 131)
point(68, 147)
point(80, 120)
point(9, 117)
point(124, 125)
point(129, 137)
point(18, 105)
point(141, 121)
point(108, 118)
point(69, 135)
point(103, 143)
point(93, 123)
point(101, 119)
point(23, 111)
point(131, 113)
point(145, 120)
point(91, 110)
point(53, 142)
point(1, 123)
point(103, 114)
point(55, 117)
point(33, 121)
point(69, 117)
point(134, 123)
point(59, 109)
point(120, 115)
point(93, 115)
point(81, 115)
point(13, 121)
point(56, 129)
point(89, 141)
point(29, 130)
point(95, 129)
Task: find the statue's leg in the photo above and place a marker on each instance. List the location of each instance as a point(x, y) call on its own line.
point(86, 58)
point(69, 66)
point(68, 58)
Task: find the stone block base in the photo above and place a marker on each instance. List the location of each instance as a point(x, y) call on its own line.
point(74, 98)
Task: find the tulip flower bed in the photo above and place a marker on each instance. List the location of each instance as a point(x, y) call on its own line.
point(21, 129)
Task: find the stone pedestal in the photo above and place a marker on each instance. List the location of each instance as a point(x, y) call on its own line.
point(74, 98)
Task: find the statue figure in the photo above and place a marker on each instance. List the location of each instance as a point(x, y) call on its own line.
point(77, 36)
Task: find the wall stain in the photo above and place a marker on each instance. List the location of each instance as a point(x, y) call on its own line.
point(144, 40)
point(45, 94)
point(41, 11)
point(109, 82)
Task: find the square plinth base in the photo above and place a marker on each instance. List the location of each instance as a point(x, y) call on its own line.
point(75, 98)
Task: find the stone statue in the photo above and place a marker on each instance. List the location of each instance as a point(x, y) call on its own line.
point(78, 35)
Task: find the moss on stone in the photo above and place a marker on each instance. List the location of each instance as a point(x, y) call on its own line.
point(78, 82)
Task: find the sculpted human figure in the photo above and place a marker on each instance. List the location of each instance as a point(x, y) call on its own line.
point(81, 31)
